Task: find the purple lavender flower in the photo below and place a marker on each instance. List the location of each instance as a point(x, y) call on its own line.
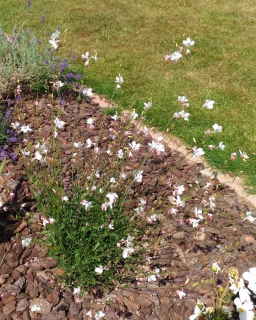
point(13, 139)
point(14, 156)
point(28, 4)
point(9, 102)
point(43, 19)
point(7, 115)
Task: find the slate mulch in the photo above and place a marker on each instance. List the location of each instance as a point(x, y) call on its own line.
point(179, 256)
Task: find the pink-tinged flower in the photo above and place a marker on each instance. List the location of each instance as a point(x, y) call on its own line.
point(198, 152)
point(233, 156)
point(180, 294)
point(11, 196)
point(173, 211)
point(208, 104)
point(243, 155)
point(18, 89)
point(175, 56)
point(86, 204)
point(112, 197)
point(208, 131)
point(176, 115)
point(5, 208)
point(36, 103)
point(157, 146)
point(188, 52)
point(180, 49)
point(211, 146)
point(65, 199)
point(167, 57)
point(55, 134)
point(188, 42)
point(217, 128)
point(46, 221)
point(49, 105)
point(209, 216)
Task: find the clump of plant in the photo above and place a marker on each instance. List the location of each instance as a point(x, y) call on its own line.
point(93, 216)
point(23, 61)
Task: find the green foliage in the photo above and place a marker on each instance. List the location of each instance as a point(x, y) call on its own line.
point(82, 240)
point(23, 61)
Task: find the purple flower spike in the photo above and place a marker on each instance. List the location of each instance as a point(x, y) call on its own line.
point(43, 19)
point(28, 4)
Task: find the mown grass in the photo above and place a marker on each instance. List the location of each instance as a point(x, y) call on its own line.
point(133, 37)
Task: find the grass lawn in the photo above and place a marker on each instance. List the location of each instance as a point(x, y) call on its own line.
point(133, 37)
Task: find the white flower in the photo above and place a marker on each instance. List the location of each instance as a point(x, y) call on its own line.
point(25, 128)
point(215, 267)
point(99, 270)
point(58, 123)
point(245, 309)
point(87, 92)
point(120, 154)
point(180, 294)
point(86, 55)
point(26, 242)
point(25, 153)
point(208, 104)
point(119, 79)
point(34, 307)
point(175, 56)
point(178, 201)
point(249, 217)
point(221, 146)
point(78, 144)
point(243, 155)
point(42, 148)
point(112, 180)
point(217, 128)
point(182, 99)
point(198, 310)
point(112, 197)
point(134, 114)
point(198, 152)
point(151, 278)
point(138, 176)
point(15, 125)
point(198, 213)
point(184, 115)
point(157, 146)
point(115, 117)
point(76, 290)
point(99, 315)
point(147, 105)
point(89, 143)
point(39, 157)
point(58, 84)
point(134, 146)
point(86, 204)
point(188, 42)
point(54, 43)
point(65, 198)
point(194, 222)
point(95, 58)
point(111, 226)
point(180, 189)
point(250, 276)
point(56, 34)
point(127, 251)
point(90, 121)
